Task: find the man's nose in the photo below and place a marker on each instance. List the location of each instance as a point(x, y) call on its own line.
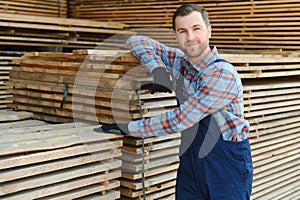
point(190, 35)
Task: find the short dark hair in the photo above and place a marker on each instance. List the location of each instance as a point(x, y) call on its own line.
point(186, 9)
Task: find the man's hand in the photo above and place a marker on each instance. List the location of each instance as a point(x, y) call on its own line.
point(161, 81)
point(121, 129)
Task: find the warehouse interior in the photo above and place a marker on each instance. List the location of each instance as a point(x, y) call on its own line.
point(65, 67)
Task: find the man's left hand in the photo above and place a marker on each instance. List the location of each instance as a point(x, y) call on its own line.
point(121, 129)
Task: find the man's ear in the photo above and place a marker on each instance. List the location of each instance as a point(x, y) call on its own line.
point(174, 32)
point(209, 32)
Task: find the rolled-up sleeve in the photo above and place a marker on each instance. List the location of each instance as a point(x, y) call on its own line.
point(151, 53)
point(216, 90)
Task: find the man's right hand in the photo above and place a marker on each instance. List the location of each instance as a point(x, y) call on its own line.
point(161, 81)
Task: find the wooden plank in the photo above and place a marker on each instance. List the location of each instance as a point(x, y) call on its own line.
point(66, 186)
point(108, 195)
point(9, 115)
point(150, 140)
point(150, 181)
point(91, 192)
point(137, 167)
point(34, 144)
point(156, 146)
point(153, 189)
point(137, 158)
point(23, 123)
point(36, 157)
point(149, 172)
point(62, 21)
point(46, 167)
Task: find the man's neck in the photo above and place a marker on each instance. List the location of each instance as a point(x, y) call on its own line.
point(197, 60)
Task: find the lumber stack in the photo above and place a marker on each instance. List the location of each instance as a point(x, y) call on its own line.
point(271, 98)
point(57, 161)
point(271, 92)
point(272, 107)
point(51, 8)
point(246, 25)
point(7, 61)
point(159, 167)
point(85, 85)
point(57, 34)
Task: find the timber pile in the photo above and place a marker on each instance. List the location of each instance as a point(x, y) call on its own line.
point(51, 8)
point(249, 25)
point(272, 107)
point(54, 32)
point(161, 162)
point(7, 61)
point(271, 92)
point(85, 85)
point(57, 161)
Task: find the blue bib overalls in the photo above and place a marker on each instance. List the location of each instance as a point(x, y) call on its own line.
point(211, 168)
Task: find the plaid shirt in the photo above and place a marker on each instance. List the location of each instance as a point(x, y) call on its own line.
point(210, 88)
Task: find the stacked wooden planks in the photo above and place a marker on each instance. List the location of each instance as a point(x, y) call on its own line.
point(159, 167)
point(51, 8)
point(7, 61)
point(52, 33)
point(57, 161)
point(244, 25)
point(61, 86)
point(272, 107)
point(271, 92)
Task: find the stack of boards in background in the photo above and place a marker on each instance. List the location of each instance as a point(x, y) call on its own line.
point(50, 8)
point(271, 96)
point(54, 32)
point(271, 92)
point(42, 26)
point(39, 160)
point(7, 61)
point(246, 25)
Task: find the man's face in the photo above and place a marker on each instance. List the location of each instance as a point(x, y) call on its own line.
point(192, 35)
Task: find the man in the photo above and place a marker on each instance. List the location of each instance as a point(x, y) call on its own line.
point(215, 155)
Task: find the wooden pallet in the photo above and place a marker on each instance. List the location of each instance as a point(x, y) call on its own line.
point(161, 160)
point(58, 161)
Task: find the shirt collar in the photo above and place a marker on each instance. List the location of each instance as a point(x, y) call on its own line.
point(206, 61)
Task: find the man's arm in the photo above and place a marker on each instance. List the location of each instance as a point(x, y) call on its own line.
point(151, 53)
point(216, 92)
point(158, 58)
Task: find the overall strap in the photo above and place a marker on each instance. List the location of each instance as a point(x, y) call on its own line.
point(220, 60)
